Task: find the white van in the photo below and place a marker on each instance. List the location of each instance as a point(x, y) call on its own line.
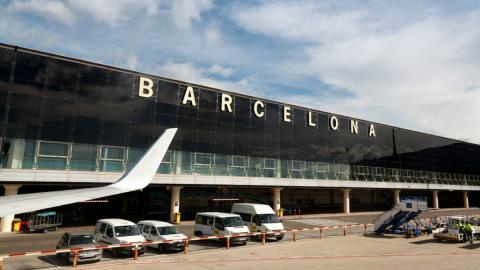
point(154, 230)
point(221, 224)
point(259, 218)
point(119, 231)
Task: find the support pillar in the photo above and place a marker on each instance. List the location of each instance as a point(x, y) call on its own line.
point(435, 198)
point(174, 202)
point(465, 199)
point(346, 201)
point(6, 221)
point(276, 192)
point(396, 196)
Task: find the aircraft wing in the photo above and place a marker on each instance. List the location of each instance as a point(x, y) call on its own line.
point(137, 178)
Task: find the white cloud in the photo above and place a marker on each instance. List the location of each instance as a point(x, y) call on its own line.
point(422, 74)
point(51, 9)
point(113, 12)
point(183, 12)
point(201, 75)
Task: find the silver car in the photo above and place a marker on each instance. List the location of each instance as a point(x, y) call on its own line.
point(79, 240)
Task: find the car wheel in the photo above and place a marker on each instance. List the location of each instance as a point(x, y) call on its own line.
point(244, 243)
point(279, 237)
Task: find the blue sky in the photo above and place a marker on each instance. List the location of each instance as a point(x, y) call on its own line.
point(413, 64)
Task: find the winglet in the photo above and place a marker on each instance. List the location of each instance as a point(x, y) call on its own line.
point(143, 172)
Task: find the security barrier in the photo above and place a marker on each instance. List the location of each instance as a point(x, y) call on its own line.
point(186, 241)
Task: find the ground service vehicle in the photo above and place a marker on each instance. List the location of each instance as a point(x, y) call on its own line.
point(119, 231)
point(79, 240)
point(453, 230)
point(221, 224)
point(154, 230)
point(260, 218)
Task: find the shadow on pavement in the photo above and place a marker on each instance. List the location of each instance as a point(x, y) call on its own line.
point(471, 246)
point(384, 236)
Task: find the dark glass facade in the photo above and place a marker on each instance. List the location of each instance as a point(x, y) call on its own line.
point(66, 114)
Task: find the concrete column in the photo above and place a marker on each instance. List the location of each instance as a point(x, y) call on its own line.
point(465, 199)
point(276, 198)
point(6, 221)
point(174, 202)
point(435, 199)
point(396, 196)
point(346, 200)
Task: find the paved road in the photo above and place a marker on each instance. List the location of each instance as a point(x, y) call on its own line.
point(39, 241)
point(351, 252)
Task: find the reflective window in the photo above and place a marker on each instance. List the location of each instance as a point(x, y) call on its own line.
point(52, 155)
point(84, 157)
point(111, 158)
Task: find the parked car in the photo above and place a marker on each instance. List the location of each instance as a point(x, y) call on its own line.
point(221, 224)
point(154, 230)
point(79, 240)
point(260, 218)
point(119, 231)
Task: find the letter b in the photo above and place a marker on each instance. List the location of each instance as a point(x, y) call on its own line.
point(145, 87)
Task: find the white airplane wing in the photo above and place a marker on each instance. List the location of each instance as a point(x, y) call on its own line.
point(137, 178)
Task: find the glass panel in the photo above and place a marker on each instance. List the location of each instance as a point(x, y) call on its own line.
point(111, 166)
point(109, 152)
point(53, 149)
point(202, 159)
point(238, 161)
point(51, 163)
point(84, 157)
point(134, 154)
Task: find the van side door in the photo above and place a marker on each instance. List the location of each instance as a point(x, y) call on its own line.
point(208, 227)
point(109, 236)
point(219, 228)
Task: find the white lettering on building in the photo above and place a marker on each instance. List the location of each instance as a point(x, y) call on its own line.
point(353, 126)
point(333, 123)
point(189, 96)
point(145, 87)
point(226, 102)
point(310, 121)
point(286, 114)
point(258, 113)
point(371, 131)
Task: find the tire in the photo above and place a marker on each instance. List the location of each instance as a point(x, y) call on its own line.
point(197, 233)
point(279, 237)
point(244, 243)
point(114, 252)
point(161, 248)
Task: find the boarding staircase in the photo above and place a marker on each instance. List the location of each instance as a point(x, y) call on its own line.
point(406, 210)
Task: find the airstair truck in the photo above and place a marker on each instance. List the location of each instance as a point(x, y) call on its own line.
point(395, 219)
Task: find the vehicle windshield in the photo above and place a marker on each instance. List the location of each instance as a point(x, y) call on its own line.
point(128, 230)
point(266, 218)
point(82, 240)
point(167, 230)
point(232, 222)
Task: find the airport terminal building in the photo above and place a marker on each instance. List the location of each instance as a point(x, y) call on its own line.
point(68, 123)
